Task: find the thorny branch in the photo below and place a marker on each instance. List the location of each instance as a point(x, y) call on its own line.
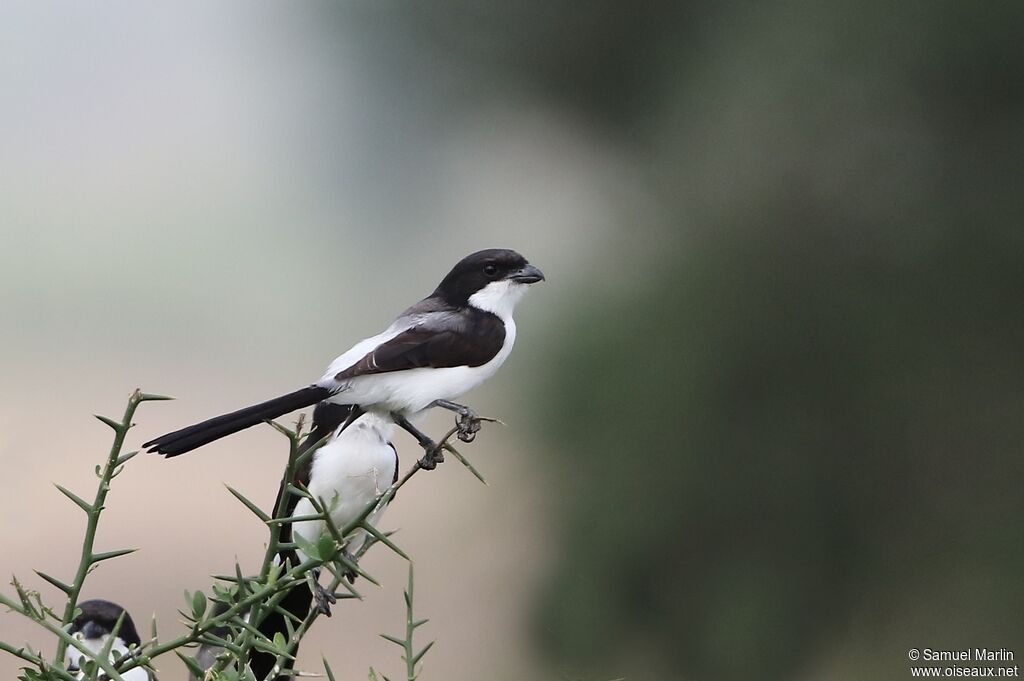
point(240, 608)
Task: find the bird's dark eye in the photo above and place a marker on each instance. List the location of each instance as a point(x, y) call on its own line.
point(490, 269)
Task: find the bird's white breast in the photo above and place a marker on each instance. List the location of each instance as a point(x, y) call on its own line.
point(75, 658)
point(349, 472)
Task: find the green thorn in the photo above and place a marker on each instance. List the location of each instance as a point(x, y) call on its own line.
point(79, 501)
point(383, 539)
point(458, 455)
point(107, 555)
point(125, 457)
point(393, 639)
point(116, 425)
point(249, 504)
point(66, 588)
point(419, 655)
point(150, 397)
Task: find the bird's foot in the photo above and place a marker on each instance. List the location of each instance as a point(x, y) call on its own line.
point(432, 450)
point(350, 574)
point(466, 420)
point(433, 456)
point(323, 599)
point(468, 423)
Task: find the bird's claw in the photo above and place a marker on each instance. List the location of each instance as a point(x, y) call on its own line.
point(468, 424)
point(433, 457)
point(323, 598)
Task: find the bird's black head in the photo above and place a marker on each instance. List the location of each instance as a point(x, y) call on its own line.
point(98, 618)
point(478, 270)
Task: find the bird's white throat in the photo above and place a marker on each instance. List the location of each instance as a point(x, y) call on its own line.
point(499, 297)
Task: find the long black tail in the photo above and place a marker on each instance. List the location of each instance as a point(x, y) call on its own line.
point(187, 439)
point(297, 602)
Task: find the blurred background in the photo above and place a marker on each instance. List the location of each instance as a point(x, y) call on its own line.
point(764, 418)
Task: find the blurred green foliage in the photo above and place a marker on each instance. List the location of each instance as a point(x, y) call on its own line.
point(792, 443)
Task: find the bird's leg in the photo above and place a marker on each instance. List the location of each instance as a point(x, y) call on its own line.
point(323, 598)
point(433, 454)
point(350, 575)
point(467, 420)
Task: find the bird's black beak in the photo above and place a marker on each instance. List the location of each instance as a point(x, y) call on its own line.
point(527, 275)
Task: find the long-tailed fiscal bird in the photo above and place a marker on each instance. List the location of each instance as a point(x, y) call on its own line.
point(437, 350)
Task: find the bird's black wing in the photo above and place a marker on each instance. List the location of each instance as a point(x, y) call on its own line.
point(466, 337)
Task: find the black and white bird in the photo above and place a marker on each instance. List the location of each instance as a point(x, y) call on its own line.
point(94, 627)
point(350, 470)
point(434, 352)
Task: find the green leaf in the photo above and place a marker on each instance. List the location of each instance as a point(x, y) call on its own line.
point(82, 503)
point(327, 668)
point(419, 623)
point(279, 642)
point(306, 546)
point(372, 676)
point(257, 511)
point(326, 546)
point(198, 604)
point(90, 669)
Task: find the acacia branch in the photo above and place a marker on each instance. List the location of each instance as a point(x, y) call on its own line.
point(113, 466)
